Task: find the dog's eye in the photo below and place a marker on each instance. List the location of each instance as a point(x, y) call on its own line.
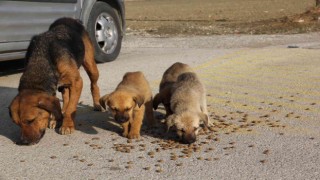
point(29, 122)
point(127, 109)
point(114, 109)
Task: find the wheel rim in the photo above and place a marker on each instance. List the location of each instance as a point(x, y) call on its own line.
point(106, 33)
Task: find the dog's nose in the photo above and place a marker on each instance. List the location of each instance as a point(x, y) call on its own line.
point(121, 118)
point(189, 139)
point(24, 141)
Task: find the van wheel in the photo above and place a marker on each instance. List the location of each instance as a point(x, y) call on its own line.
point(105, 32)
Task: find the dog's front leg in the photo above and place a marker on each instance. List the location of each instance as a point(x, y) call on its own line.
point(125, 127)
point(136, 123)
point(71, 108)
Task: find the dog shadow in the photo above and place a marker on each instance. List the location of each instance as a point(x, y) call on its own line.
point(8, 129)
point(87, 120)
point(159, 131)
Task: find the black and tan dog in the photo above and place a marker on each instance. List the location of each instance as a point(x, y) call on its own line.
point(131, 100)
point(169, 77)
point(53, 59)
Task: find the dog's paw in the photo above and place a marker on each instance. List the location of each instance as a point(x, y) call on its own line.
point(52, 124)
point(97, 107)
point(133, 136)
point(210, 124)
point(64, 130)
point(125, 134)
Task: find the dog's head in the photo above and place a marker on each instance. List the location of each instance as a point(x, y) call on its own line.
point(31, 111)
point(121, 104)
point(187, 125)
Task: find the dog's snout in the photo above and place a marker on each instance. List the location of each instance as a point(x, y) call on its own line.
point(31, 140)
point(189, 138)
point(121, 118)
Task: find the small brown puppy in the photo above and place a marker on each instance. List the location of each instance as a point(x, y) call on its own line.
point(129, 102)
point(169, 77)
point(189, 107)
point(53, 61)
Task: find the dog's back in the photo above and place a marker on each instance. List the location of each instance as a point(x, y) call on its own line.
point(187, 93)
point(171, 74)
point(135, 81)
point(63, 39)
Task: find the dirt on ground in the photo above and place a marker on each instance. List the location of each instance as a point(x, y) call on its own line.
point(209, 17)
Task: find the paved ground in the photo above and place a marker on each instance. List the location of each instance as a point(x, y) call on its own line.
point(263, 98)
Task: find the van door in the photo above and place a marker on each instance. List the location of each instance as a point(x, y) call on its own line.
point(21, 19)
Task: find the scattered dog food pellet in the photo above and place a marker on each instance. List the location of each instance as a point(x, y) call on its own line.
point(179, 164)
point(53, 157)
point(266, 152)
point(200, 158)
point(95, 138)
point(90, 164)
point(146, 168)
point(159, 170)
point(263, 161)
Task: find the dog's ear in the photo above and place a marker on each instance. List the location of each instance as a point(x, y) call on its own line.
point(103, 100)
point(204, 118)
point(170, 121)
point(14, 108)
point(138, 100)
point(52, 105)
point(156, 101)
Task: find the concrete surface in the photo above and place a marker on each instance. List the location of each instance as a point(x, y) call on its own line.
point(263, 98)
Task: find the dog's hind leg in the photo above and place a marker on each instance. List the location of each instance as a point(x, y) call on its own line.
point(149, 114)
point(91, 68)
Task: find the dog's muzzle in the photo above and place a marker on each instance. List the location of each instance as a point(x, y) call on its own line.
point(121, 118)
point(27, 141)
point(189, 138)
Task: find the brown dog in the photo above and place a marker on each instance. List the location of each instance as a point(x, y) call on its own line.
point(169, 77)
point(189, 106)
point(53, 59)
point(129, 102)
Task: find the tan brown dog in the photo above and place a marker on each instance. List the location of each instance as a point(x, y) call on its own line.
point(53, 59)
point(189, 107)
point(169, 77)
point(129, 102)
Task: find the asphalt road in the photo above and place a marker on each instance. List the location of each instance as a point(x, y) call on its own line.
point(263, 97)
